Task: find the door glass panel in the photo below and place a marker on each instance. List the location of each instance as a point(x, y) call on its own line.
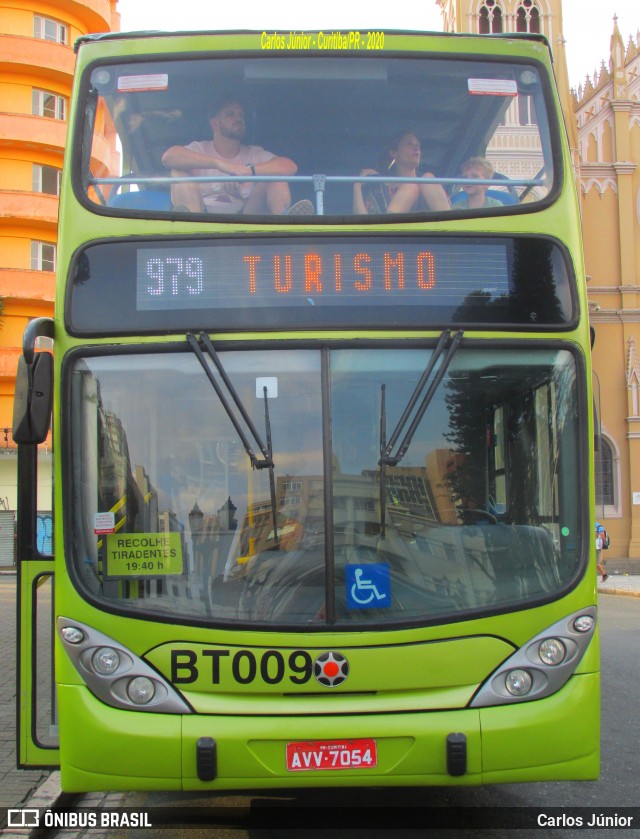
point(44, 722)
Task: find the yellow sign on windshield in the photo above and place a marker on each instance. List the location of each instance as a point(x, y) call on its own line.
point(143, 554)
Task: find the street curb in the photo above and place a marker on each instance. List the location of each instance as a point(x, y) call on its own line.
point(623, 591)
point(48, 796)
point(63, 801)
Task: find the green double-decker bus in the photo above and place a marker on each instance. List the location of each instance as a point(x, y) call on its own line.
point(323, 440)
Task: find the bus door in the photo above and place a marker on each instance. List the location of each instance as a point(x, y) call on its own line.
point(37, 735)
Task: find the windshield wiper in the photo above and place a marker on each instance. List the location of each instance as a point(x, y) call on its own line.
point(266, 448)
point(386, 447)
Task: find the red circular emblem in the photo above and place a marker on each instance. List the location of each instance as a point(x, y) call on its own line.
point(331, 669)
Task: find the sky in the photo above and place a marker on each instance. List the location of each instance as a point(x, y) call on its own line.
point(588, 24)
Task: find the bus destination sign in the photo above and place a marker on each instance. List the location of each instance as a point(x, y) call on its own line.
point(274, 273)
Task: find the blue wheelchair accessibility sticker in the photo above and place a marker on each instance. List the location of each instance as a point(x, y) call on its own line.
point(368, 586)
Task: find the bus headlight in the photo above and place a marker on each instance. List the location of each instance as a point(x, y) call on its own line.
point(518, 682)
point(552, 651)
point(72, 635)
point(115, 674)
point(543, 665)
point(584, 623)
point(141, 690)
point(105, 661)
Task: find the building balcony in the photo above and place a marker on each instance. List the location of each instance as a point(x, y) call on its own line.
point(47, 60)
point(26, 285)
point(37, 209)
point(92, 15)
point(38, 132)
point(9, 361)
point(49, 134)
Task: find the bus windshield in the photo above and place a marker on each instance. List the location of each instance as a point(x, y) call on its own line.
point(424, 135)
point(469, 504)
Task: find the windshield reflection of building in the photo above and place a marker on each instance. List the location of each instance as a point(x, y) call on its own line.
point(420, 507)
point(424, 541)
point(416, 497)
point(211, 538)
point(432, 543)
point(133, 499)
point(138, 508)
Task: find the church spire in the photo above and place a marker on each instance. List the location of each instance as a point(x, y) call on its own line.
point(620, 84)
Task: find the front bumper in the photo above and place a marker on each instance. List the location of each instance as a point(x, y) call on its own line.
point(556, 738)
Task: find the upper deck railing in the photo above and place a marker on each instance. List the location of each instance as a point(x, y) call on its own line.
point(318, 181)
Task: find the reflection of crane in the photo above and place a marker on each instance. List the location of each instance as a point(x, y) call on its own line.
point(4, 503)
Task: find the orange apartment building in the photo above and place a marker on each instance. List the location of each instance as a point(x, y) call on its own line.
point(36, 71)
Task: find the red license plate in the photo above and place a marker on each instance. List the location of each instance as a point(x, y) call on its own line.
point(331, 754)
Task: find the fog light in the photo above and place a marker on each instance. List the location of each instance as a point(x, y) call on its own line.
point(72, 635)
point(552, 651)
point(105, 661)
point(141, 690)
point(584, 623)
point(518, 682)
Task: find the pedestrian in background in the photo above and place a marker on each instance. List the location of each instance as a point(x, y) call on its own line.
point(601, 535)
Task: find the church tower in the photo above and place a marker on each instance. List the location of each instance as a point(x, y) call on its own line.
point(544, 17)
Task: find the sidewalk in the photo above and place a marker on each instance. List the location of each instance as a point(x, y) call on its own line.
point(628, 584)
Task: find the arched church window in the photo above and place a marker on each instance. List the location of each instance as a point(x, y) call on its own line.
point(605, 475)
point(490, 21)
point(527, 20)
point(528, 17)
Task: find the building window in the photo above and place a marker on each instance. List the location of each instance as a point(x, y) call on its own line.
point(48, 29)
point(43, 256)
point(490, 18)
point(528, 17)
point(605, 475)
point(47, 104)
point(46, 179)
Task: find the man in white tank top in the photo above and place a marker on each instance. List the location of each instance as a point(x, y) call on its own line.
point(225, 154)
